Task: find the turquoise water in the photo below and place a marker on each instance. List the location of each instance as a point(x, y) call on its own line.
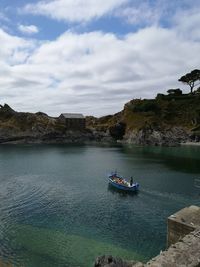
point(56, 208)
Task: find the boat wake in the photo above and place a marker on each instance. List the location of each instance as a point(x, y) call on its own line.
point(182, 199)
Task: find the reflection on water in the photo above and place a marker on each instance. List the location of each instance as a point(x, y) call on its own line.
point(57, 209)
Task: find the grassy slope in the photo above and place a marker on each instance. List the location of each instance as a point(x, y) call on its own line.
point(163, 112)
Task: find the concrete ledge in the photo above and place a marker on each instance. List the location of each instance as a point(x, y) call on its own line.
point(182, 223)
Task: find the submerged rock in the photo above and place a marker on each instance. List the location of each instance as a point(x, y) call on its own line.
point(110, 261)
point(66, 249)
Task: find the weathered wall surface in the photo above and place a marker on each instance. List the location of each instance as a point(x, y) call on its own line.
point(182, 223)
point(177, 231)
point(185, 253)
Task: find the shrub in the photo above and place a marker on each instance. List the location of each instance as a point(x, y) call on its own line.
point(146, 106)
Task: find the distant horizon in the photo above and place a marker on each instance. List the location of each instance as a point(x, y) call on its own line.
point(94, 56)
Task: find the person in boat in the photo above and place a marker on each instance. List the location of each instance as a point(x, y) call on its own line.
point(131, 181)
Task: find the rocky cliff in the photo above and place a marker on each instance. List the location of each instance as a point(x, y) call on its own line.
point(166, 120)
point(21, 127)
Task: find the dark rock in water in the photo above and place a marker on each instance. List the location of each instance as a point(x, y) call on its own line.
point(110, 261)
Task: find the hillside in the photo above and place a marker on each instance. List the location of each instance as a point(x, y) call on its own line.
point(24, 127)
point(166, 120)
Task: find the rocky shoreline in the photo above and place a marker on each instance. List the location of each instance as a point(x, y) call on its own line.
point(39, 128)
point(125, 127)
point(158, 137)
point(110, 261)
point(167, 120)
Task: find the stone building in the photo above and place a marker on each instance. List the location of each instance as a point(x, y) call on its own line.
point(73, 121)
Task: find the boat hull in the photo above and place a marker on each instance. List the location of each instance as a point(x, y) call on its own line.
point(133, 188)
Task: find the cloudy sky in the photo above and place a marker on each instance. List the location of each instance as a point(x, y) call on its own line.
point(93, 56)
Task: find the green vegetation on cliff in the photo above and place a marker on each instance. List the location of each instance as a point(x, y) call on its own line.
point(160, 114)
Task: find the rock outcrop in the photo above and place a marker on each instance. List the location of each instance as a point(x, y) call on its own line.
point(167, 120)
point(157, 137)
point(110, 261)
point(24, 127)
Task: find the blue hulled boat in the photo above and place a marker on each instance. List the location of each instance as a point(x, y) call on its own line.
point(121, 183)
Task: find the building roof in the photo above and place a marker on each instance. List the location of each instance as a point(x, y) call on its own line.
point(73, 115)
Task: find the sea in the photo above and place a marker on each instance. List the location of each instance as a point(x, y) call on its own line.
point(57, 209)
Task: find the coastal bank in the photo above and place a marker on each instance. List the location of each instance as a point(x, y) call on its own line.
point(167, 120)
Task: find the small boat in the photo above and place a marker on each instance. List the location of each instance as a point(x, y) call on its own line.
point(121, 183)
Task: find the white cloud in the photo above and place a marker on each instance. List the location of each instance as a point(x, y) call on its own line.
point(28, 29)
point(141, 14)
point(14, 50)
point(93, 73)
point(73, 10)
point(187, 23)
point(159, 12)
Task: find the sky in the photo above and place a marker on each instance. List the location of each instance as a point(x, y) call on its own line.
point(93, 56)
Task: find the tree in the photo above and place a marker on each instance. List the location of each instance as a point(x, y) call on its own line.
point(192, 78)
point(174, 91)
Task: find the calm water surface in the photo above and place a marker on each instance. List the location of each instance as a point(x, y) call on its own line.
point(56, 208)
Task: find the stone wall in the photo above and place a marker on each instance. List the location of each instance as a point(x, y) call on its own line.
point(185, 253)
point(177, 231)
point(183, 238)
point(182, 223)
